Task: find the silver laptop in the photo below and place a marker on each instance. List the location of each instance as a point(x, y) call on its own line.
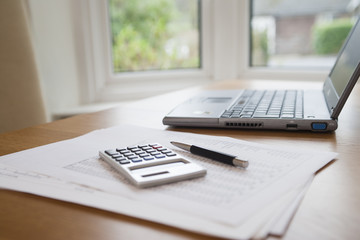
point(315, 110)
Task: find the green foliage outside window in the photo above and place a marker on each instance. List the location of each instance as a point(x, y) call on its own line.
point(329, 37)
point(142, 33)
point(260, 48)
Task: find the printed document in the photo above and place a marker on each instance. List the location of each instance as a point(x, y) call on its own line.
point(228, 201)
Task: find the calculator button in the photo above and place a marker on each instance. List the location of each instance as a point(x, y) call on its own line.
point(142, 146)
point(110, 152)
point(170, 154)
point(148, 158)
point(124, 151)
point(124, 162)
point(155, 153)
point(157, 147)
point(136, 160)
point(167, 151)
point(128, 154)
point(160, 156)
point(162, 149)
point(151, 150)
point(121, 150)
point(116, 155)
point(120, 159)
point(132, 157)
point(144, 155)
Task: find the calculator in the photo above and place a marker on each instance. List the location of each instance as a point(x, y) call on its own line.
point(148, 165)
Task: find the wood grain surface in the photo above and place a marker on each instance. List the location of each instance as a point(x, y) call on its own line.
point(330, 209)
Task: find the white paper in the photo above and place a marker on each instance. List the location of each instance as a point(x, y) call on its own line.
point(281, 216)
point(226, 197)
point(47, 186)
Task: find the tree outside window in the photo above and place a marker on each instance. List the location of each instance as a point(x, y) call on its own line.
point(154, 34)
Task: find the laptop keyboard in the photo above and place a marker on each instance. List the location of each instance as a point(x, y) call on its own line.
point(267, 104)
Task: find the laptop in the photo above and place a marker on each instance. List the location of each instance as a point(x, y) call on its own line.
point(314, 110)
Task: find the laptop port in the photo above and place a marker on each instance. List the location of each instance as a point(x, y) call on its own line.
point(291, 126)
point(319, 126)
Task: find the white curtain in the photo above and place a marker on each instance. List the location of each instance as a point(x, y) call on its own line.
point(21, 103)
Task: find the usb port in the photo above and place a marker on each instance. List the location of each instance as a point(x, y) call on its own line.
point(291, 125)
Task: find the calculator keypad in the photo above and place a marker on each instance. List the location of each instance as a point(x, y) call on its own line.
point(140, 153)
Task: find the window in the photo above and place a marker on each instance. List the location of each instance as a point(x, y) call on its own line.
point(132, 52)
point(154, 34)
point(76, 57)
point(203, 41)
point(306, 34)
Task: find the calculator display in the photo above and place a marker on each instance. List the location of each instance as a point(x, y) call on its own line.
point(144, 171)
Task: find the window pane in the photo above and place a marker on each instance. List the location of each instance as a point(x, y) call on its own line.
point(292, 33)
point(154, 34)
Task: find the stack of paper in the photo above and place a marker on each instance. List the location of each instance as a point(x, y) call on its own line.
point(228, 202)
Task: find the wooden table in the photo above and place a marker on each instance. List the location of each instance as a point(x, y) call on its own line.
point(330, 210)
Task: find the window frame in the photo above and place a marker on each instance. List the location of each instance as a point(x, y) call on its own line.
point(225, 54)
point(272, 73)
point(103, 85)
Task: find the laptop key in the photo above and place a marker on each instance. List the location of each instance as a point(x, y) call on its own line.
point(287, 115)
point(267, 116)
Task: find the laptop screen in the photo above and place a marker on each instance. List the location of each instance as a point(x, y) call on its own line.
point(344, 74)
point(347, 62)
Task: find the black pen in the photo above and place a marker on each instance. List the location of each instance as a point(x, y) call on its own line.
point(217, 156)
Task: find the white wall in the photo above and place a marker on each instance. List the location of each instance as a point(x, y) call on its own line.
point(54, 42)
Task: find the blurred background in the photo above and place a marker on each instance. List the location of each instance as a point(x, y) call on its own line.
point(91, 55)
